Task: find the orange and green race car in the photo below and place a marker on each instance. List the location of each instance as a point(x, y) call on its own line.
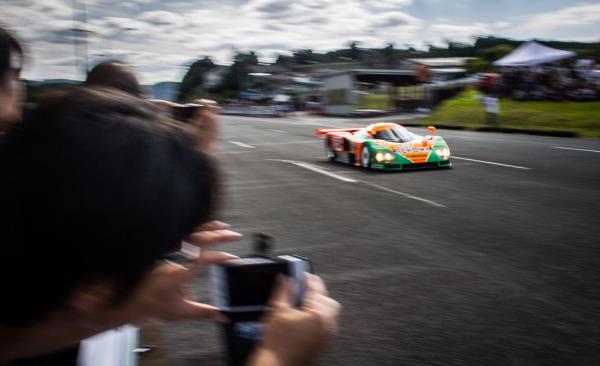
point(385, 146)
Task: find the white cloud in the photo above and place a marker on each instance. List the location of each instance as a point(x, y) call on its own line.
point(161, 18)
point(501, 24)
point(158, 37)
point(566, 17)
point(395, 19)
point(388, 4)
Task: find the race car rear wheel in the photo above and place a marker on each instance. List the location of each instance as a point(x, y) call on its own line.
point(365, 157)
point(329, 152)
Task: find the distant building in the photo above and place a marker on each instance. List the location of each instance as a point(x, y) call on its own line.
point(341, 91)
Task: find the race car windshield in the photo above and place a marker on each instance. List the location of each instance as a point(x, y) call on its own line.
point(394, 135)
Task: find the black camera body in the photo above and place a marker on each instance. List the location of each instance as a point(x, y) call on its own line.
point(184, 112)
point(241, 289)
point(244, 285)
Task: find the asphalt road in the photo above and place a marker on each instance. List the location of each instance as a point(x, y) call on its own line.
point(493, 262)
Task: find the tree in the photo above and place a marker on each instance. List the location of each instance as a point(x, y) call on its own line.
point(389, 55)
point(194, 77)
point(354, 51)
point(494, 53)
point(304, 56)
point(477, 64)
point(236, 77)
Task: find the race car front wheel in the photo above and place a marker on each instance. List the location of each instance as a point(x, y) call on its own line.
point(365, 157)
point(329, 152)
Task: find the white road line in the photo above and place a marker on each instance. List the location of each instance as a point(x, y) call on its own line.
point(241, 144)
point(274, 130)
point(239, 189)
point(389, 190)
point(572, 148)
point(492, 163)
point(317, 170)
point(350, 180)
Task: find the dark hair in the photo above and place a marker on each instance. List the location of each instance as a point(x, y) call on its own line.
point(11, 54)
point(95, 185)
point(114, 74)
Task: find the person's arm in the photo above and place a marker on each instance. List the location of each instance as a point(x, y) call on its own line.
point(294, 337)
point(205, 121)
point(206, 124)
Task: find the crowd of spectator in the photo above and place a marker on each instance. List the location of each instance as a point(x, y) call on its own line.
point(570, 80)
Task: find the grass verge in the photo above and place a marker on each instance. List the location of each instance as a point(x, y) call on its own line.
point(466, 110)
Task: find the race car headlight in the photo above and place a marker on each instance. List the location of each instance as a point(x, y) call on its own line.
point(443, 154)
point(388, 156)
point(379, 157)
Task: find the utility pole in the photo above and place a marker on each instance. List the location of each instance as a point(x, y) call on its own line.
point(80, 37)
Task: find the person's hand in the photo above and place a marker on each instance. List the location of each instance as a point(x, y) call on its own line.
point(204, 121)
point(293, 337)
point(164, 295)
point(211, 234)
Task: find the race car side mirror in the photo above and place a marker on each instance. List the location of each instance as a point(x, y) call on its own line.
point(431, 130)
point(372, 133)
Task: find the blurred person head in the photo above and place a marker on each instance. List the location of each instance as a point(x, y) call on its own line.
point(114, 74)
point(11, 62)
point(93, 195)
point(117, 75)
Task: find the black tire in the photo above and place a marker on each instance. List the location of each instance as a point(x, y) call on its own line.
point(365, 157)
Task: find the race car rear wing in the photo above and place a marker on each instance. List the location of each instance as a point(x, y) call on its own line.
point(320, 132)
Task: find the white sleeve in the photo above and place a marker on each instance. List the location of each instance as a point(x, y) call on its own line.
point(111, 348)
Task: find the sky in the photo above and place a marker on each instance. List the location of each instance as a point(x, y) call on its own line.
point(160, 38)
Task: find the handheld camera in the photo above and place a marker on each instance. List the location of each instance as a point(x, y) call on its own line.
point(184, 112)
point(242, 288)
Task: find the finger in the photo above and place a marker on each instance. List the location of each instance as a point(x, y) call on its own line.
point(209, 103)
point(325, 308)
point(196, 310)
point(332, 315)
point(280, 297)
point(162, 103)
point(331, 308)
point(178, 274)
point(212, 257)
point(205, 258)
point(213, 237)
point(315, 287)
point(213, 225)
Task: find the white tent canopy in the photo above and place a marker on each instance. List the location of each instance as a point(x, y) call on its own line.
point(531, 54)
